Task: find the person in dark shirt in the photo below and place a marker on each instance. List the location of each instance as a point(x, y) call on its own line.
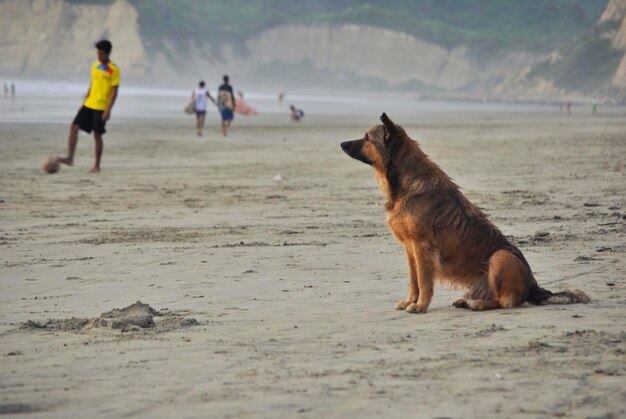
point(226, 104)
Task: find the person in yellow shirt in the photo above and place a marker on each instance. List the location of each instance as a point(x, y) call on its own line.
point(99, 101)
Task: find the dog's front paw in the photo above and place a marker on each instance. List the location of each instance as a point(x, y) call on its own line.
point(402, 304)
point(416, 308)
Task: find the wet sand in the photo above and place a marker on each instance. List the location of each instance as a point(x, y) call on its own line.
point(292, 282)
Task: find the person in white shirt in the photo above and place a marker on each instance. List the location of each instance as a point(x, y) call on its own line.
point(200, 96)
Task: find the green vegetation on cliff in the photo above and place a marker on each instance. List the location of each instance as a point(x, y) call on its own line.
point(520, 24)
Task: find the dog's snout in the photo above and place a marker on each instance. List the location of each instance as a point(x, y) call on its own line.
point(354, 150)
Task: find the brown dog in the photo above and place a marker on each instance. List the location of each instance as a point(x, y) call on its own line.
point(445, 236)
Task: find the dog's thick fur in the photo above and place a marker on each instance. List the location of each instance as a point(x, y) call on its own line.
point(445, 236)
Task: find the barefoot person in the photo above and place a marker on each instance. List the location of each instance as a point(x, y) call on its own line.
point(226, 104)
point(99, 101)
point(199, 97)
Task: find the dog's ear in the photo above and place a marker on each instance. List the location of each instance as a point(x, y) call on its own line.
point(390, 127)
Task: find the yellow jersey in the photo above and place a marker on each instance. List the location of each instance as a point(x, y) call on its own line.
point(103, 78)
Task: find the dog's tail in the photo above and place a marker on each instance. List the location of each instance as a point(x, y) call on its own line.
point(540, 296)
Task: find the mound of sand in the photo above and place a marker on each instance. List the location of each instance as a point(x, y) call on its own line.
point(135, 317)
point(138, 314)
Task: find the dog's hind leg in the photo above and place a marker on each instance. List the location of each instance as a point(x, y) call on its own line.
point(413, 289)
point(479, 291)
point(462, 302)
point(508, 278)
point(479, 305)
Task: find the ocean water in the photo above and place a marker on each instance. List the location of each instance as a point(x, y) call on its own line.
point(57, 102)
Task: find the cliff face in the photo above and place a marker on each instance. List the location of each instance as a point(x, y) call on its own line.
point(616, 12)
point(393, 57)
point(369, 52)
point(53, 39)
point(593, 64)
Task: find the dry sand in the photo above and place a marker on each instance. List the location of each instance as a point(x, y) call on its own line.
point(292, 283)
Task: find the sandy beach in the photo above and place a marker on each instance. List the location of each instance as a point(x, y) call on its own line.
point(275, 294)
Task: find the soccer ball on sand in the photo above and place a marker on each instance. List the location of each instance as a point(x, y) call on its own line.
point(51, 165)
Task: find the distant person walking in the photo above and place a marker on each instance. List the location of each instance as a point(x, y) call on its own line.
point(569, 108)
point(199, 96)
point(12, 90)
point(296, 113)
point(594, 107)
point(99, 101)
point(226, 104)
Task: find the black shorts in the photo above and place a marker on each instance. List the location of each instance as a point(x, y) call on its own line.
point(89, 120)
